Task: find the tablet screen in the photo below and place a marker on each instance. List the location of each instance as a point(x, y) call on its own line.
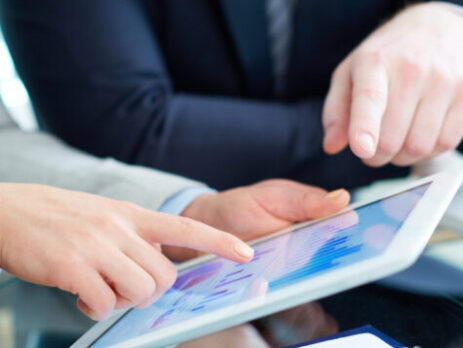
point(311, 250)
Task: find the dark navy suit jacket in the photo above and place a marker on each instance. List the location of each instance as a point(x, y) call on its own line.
point(186, 86)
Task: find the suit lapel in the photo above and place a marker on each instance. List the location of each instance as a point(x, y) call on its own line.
point(247, 24)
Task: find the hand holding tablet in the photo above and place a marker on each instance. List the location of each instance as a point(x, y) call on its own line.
point(252, 211)
point(305, 262)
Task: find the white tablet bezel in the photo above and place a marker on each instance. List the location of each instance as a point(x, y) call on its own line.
point(404, 249)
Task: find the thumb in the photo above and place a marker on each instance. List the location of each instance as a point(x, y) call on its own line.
point(291, 201)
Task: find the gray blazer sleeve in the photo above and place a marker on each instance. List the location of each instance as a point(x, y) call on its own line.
point(35, 157)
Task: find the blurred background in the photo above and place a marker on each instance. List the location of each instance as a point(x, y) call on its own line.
point(13, 92)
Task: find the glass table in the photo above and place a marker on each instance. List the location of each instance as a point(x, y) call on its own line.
point(425, 312)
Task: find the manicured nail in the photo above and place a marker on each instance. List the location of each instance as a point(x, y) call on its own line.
point(244, 250)
point(367, 143)
point(334, 195)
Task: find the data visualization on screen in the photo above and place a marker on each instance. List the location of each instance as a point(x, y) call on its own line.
point(279, 262)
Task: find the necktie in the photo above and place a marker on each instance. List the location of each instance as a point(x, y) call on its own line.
point(280, 18)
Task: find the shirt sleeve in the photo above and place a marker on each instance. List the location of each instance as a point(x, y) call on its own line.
point(36, 157)
point(104, 87)
point(177, 203)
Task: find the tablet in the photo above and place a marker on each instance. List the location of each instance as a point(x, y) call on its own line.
point(311, 260)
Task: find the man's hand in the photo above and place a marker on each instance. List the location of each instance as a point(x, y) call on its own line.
point(398, 97)
point(105, 251)
point(253, 211)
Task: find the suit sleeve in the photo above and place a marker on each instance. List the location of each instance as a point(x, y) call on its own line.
point(40, 158)
point(96, 78)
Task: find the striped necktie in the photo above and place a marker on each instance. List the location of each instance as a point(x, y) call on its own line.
point(280, 28)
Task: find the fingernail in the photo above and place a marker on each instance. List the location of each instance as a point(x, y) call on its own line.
point(244, 250)
point(333, 195)
point(367, 142)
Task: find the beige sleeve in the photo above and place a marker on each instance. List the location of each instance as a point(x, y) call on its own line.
point(43, 159)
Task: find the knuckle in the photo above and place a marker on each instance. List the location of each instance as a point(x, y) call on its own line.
point(306, 196)
point(146, 289)
point(224, 240)
point(85, 239)
point(68, 274)
point(388, 146)
point(107, 303)
point(373, 94)
point(104, 221)
point(107, 223)
point(418, 147)
point(448, 142)
point(372, 56)
point(72, 263)
point(167, 279)
point(411, 67)
point(187, 225)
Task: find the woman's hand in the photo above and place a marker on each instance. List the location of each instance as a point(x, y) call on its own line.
point(104, 251)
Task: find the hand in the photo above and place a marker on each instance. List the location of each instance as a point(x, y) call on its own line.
point(398, 97)
point(105, 251)
point(253, 211)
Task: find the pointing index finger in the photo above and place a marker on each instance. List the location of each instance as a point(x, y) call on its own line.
point(335, 116)
point(369, 99)
point(184, 232)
